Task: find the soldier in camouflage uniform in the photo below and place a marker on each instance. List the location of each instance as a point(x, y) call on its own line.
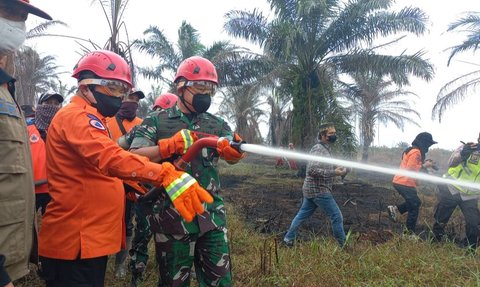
point(202, 242)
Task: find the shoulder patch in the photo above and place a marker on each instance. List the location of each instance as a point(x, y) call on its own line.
point(34, 138)
point(96, 122)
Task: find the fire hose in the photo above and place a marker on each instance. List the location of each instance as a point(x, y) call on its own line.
point(183, 162)
point(211, 141)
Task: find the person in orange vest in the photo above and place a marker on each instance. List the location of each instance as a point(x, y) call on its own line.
point(126, 117)
point(84, 223)
point(38, 121)
point(37, 147)
point(123, 121)
point(413, 159)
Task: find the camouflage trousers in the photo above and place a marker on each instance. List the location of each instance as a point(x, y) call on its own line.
point(208, 252)
point(142, 235)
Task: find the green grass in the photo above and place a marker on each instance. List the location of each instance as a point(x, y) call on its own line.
point(320, 262)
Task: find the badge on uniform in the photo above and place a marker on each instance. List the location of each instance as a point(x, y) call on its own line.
point(34, 138)
point(96, 123)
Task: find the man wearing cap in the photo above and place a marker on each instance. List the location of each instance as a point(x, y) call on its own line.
point(413, 159)
point(48, 105)
point(16, 175)
point(123, 121)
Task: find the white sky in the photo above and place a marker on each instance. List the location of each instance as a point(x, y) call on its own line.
point(87, 21)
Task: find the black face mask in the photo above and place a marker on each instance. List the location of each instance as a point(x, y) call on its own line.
point(128, 110)
point(107, 106)
point(201, 102)
point(332, 139)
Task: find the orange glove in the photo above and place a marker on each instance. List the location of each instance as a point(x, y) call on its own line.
point(227, 152)
point(184, 191)
point(177, 144)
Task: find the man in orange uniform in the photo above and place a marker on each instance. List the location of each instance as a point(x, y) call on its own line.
point(126, 117)
point(413, 159)
point(37, 125)
point(123, 121)
point(39, 157)
point(84, 220)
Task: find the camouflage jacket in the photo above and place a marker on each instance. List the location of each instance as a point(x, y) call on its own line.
point(164, 124)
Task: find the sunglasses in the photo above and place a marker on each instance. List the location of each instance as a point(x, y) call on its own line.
point(202, 86)
point(109, 87)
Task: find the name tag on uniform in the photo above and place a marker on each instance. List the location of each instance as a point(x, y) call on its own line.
point(9, 109)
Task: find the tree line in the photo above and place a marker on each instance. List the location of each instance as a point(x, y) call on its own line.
point(319, 62)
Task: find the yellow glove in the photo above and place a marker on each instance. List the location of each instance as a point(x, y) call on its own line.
point(186, 194)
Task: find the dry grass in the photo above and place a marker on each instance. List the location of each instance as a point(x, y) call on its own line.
point(258, 260)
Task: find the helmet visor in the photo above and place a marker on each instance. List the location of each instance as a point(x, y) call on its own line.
point(204, 87)
point(111, 88)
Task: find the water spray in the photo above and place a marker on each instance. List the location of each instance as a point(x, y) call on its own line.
point(267, 151)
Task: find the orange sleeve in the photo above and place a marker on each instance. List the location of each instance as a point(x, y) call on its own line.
point(413, 160)
point(90, 140)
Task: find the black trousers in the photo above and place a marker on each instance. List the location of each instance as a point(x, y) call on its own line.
point(73, 273)
point(411, 205)
point(444, 209)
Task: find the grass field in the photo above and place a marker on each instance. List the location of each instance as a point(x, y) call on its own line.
point(259, 260)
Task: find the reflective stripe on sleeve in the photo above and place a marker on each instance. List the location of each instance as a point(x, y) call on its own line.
point(187, 139)
point(178, 186)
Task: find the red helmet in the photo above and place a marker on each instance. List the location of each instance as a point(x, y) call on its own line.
point(165, 101)
point(106, 65)
point(197, 69)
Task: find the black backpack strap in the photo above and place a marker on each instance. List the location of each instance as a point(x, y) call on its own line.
point(120, 125)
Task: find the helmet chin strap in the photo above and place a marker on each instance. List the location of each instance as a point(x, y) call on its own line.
point(87, 98)
point(184, 102)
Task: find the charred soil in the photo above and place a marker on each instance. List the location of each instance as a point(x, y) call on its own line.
point(269, 200)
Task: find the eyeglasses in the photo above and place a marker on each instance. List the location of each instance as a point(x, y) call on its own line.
point(109, 87)
point(202, 86)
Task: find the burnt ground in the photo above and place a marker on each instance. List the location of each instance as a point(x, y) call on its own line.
point(268, 201)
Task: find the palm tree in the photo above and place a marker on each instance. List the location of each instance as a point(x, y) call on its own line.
point(35, 75)
point(145, 105)
point(169, 55)
point(310, 42)
point(241, 105)
point(373, 99)
point(279, 131)
point(456, 90)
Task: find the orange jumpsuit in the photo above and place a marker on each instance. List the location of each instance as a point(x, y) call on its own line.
point(39, 158)
point(411, 161)
point(85, 216)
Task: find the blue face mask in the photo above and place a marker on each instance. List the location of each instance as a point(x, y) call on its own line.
point(332, 138)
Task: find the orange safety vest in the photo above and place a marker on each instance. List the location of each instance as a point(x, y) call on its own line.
point(84, 217)
point(114, 129)
point(39, 158)
point(410, 161)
